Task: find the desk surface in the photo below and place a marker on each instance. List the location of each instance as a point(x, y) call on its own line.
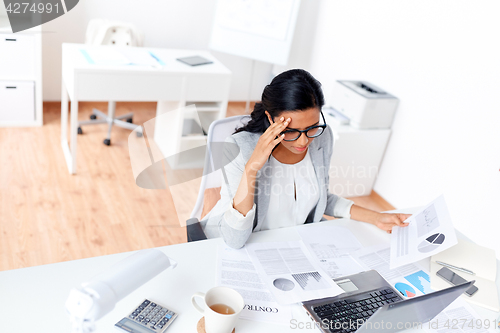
point(74, 58)
point(40, 292)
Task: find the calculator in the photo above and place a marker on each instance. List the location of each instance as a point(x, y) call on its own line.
point(148, 317)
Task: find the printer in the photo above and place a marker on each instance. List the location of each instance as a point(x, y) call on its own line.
point(366, 105)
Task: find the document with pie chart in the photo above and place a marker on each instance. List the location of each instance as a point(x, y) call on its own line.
point(430, 231)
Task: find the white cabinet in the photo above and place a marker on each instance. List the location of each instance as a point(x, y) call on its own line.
point(17, 56)
point(356, 159)
point(20, 76)
point(17, 101)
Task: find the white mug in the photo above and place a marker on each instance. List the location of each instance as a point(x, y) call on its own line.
point(216, 322)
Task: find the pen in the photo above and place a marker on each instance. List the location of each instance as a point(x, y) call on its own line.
point(455, 267)
point(157, 59)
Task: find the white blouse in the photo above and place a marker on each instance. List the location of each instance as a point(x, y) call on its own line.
point(294, 192)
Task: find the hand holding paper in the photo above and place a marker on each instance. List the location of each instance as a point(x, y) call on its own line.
point(388, 221)
point(430, 231)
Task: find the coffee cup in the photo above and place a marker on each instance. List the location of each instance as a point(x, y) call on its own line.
point(222, 306)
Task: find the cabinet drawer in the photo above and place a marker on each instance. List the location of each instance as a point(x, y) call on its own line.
point(17, 101)
point(17, 56)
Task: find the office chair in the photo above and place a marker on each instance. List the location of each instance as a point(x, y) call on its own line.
point(218, 131)
point(104, 32)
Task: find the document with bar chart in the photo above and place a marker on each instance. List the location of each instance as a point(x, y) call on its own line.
point(290, 273)
point(430, 231)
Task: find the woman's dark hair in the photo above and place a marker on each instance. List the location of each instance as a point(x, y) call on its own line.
point(293, 90)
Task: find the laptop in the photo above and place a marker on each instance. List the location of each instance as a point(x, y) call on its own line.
point(371, 304)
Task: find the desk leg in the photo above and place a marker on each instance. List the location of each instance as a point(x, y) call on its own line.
point(64, 113)
point(73, 132)
point(64, 129)
point(69, 150)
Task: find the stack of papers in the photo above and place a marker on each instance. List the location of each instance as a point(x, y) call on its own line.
point(236, 270)
point(290, 273)
point(271, 276)
point(332, 247)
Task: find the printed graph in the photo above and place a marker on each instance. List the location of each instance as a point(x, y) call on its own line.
point(431, 243)
point(283, 284)
point(421, 280)
point(427, 221)
point(405, 289)
point(310, 281)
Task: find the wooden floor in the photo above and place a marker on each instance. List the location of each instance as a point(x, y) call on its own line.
point(48, 215)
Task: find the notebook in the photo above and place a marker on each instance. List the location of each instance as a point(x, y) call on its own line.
point(195, 60)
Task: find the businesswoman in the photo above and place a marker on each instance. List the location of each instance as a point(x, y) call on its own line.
point(277, 171)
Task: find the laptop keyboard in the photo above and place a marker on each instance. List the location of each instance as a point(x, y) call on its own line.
point(357, 307)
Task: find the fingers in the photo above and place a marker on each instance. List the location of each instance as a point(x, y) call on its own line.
point(278, 140)
point(397, 221)
point(402, 218)
point(276, 128)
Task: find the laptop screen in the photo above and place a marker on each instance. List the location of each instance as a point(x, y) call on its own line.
point(412, 312)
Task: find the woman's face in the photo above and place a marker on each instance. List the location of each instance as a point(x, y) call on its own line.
point(300, 120)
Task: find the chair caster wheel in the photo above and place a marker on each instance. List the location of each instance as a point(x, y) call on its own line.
point(129, 120)
point(107, 142)
point(93, 117)
point(80, 130)
point(138, 134)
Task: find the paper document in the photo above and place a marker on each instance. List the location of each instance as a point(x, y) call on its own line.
point(430, 231)
point(290, 272)
point(332, 247)
point(236, 270)
point(105, 56)
point(121, 56)
point(459, 317)
point(410, 280)
point(141, 57)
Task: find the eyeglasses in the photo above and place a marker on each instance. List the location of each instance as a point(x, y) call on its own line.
point(310, 132)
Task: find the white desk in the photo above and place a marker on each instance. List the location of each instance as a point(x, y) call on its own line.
point(42, 291)
point(172, 86)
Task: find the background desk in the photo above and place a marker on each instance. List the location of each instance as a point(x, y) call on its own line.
point(32, 299)
point(173, 86)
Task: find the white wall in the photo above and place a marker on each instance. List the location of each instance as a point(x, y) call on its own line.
point(442, 59)
point(183, 24)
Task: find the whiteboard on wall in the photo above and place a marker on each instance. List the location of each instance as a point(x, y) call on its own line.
point(256, 29)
